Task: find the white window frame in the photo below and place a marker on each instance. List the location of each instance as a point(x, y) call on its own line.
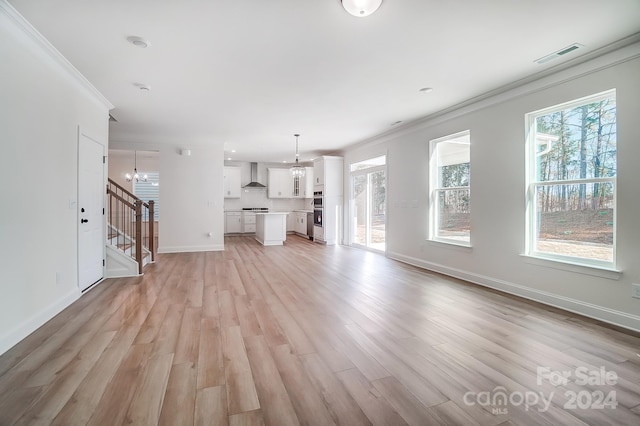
point(154, 180)
point(435, 188)
point(532, 183)
point(364, 172)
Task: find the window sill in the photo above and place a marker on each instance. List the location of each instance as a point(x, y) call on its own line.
point(563, 265)
point(451, 244)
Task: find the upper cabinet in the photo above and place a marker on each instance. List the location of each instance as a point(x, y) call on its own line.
point(303, 187)
point(232, 182)
point(283, 185)
point(327, 172)
point(318, 171)
point(280, 183)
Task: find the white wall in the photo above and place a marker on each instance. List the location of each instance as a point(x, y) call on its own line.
point(498, 197)
point(42, 104)
point(191, 195)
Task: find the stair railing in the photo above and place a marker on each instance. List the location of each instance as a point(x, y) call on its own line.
point(127, 225)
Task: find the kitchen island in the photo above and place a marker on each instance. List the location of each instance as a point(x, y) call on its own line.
point(271, 228)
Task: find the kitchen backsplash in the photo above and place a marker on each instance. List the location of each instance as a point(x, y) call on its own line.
point(258, 198)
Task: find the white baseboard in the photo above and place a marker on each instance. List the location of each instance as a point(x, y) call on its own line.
point(125, 275)
point(611, 316)
point(12, 337)
point(191, 249)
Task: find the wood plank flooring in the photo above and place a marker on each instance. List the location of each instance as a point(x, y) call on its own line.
point(308, 334)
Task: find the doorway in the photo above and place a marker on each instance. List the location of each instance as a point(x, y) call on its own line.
point(91, 235)
point(123, 163)
point(369, 203)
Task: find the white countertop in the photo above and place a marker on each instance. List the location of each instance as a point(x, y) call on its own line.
point(272, 213)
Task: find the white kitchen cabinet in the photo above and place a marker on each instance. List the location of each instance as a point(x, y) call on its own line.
point(248, 222)
point(304, 188)
point(280, 183)
point(318, 234)
point(301, 223)
point(271, 228)
point(291, 222)
point(232, 182)
point(328, 171)
point(283, 185)
point(318, 171)
point(232, 222)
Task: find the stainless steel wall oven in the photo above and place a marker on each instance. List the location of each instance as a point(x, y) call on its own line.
point(317, 208)
point(317, 200)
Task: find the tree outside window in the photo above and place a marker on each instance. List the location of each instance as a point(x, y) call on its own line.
point(450, 200)
point(572, 178)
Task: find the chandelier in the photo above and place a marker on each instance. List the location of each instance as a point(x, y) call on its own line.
point(297, 171)
point(135, 175)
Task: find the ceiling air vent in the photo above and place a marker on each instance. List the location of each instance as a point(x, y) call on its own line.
point(559, 53)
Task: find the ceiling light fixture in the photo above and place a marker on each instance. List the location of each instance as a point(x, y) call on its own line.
point(297, 171)
point(135, 175)
point(361, 8)
point(139, 42)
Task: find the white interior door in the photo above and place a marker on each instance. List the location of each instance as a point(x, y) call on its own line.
point(90, 211)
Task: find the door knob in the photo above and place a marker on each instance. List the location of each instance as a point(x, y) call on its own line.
point(84, 220)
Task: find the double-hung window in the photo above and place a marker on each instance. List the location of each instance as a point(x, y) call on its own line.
point(149, 190)
point(571, 181)
point(450, 199)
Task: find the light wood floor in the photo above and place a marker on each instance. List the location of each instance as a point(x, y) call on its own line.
point(306, 334)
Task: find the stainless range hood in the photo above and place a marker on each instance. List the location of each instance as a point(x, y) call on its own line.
point(254, 178)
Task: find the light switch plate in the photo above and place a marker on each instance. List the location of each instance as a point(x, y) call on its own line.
point(635, 290)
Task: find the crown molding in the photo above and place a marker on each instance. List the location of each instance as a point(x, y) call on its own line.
point(47, 48)
point(613, 54)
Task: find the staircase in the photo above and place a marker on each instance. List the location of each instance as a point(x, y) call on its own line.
point(131, 241)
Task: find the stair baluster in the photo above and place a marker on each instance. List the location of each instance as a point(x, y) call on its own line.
point(125, 220)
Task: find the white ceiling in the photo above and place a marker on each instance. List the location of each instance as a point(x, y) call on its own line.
point(252, 73)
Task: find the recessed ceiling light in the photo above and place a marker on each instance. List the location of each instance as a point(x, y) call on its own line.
point(229, 158)
point(426, 90)
point(396, 123)
point(233, 150)
point(139, 42)
point(284, 161)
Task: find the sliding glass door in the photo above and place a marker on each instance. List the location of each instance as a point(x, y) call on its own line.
point(368, 203)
